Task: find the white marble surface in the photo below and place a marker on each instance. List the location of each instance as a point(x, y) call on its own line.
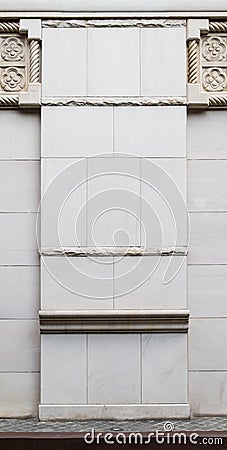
point(206, 135)
point(18, 244)
point(164, 368)
point(20, 134)
point(141, 201)
point(63, 206)
point(163, 72)
point(116, 5)
point(64, 70)
point(208, 238)
point(20, 395)
point(19, 292)
point(63, 369)
point(76, 283)
point(207, 185)
point(139, 283)
point(114, 369)
point(207, 287)
point(208, 393)
point(113, 62)
point(20, 186)
point(137, 131)
point(163, 202)
point(107, 62)
point(113, 204)
point(207, 344)
point(20, 352)
point(76, 131)
point(19, 278)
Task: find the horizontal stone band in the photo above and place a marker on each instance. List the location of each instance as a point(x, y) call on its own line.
point(113, 251)
point(114, 101)
point(110, 412)
point(114, 321)
point(143, 23)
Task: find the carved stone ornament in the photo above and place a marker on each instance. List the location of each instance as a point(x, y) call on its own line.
point(12, 79)
point(19, 63)
point(12, 49)
point(214, 79)
point(207, 64)
point(214, 49)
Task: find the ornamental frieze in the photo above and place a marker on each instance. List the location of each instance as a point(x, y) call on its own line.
point(207, 63)
point(20, 63)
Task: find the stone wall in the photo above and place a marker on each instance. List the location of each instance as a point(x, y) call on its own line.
point(127, 150)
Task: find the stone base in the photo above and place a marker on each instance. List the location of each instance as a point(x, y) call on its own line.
point(114, 412)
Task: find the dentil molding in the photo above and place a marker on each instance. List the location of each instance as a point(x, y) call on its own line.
point(20, 63)
point(207, 63)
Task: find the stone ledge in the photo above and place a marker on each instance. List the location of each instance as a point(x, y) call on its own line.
point(114, 101)
point(125, 23)
point(114, 321)
point(112, 412)
point(112, 251)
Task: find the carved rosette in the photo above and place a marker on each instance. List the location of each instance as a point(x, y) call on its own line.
point(12, 79)
point(214, 79)
point(214, 49)
point(210, 66)
point(19, 65)
point(12, 49)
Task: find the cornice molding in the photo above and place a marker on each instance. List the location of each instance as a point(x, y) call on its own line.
point(114, 321)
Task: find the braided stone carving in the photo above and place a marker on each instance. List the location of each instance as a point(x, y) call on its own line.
point(193, 61)
point(34, 62)
point(9, 100)
point(9, 27)
point(218, 27)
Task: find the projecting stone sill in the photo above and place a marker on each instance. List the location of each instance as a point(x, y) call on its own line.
point(114, 321)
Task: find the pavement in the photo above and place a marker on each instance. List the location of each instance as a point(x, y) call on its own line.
point(33, 425)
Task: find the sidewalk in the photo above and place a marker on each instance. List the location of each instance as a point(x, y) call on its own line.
point(33, 425)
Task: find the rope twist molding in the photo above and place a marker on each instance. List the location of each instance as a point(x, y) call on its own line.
point(34, 62)
point(193, 61)
point(218, 27)
point(9, 100)
point(9, 27)
point(218, 100)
